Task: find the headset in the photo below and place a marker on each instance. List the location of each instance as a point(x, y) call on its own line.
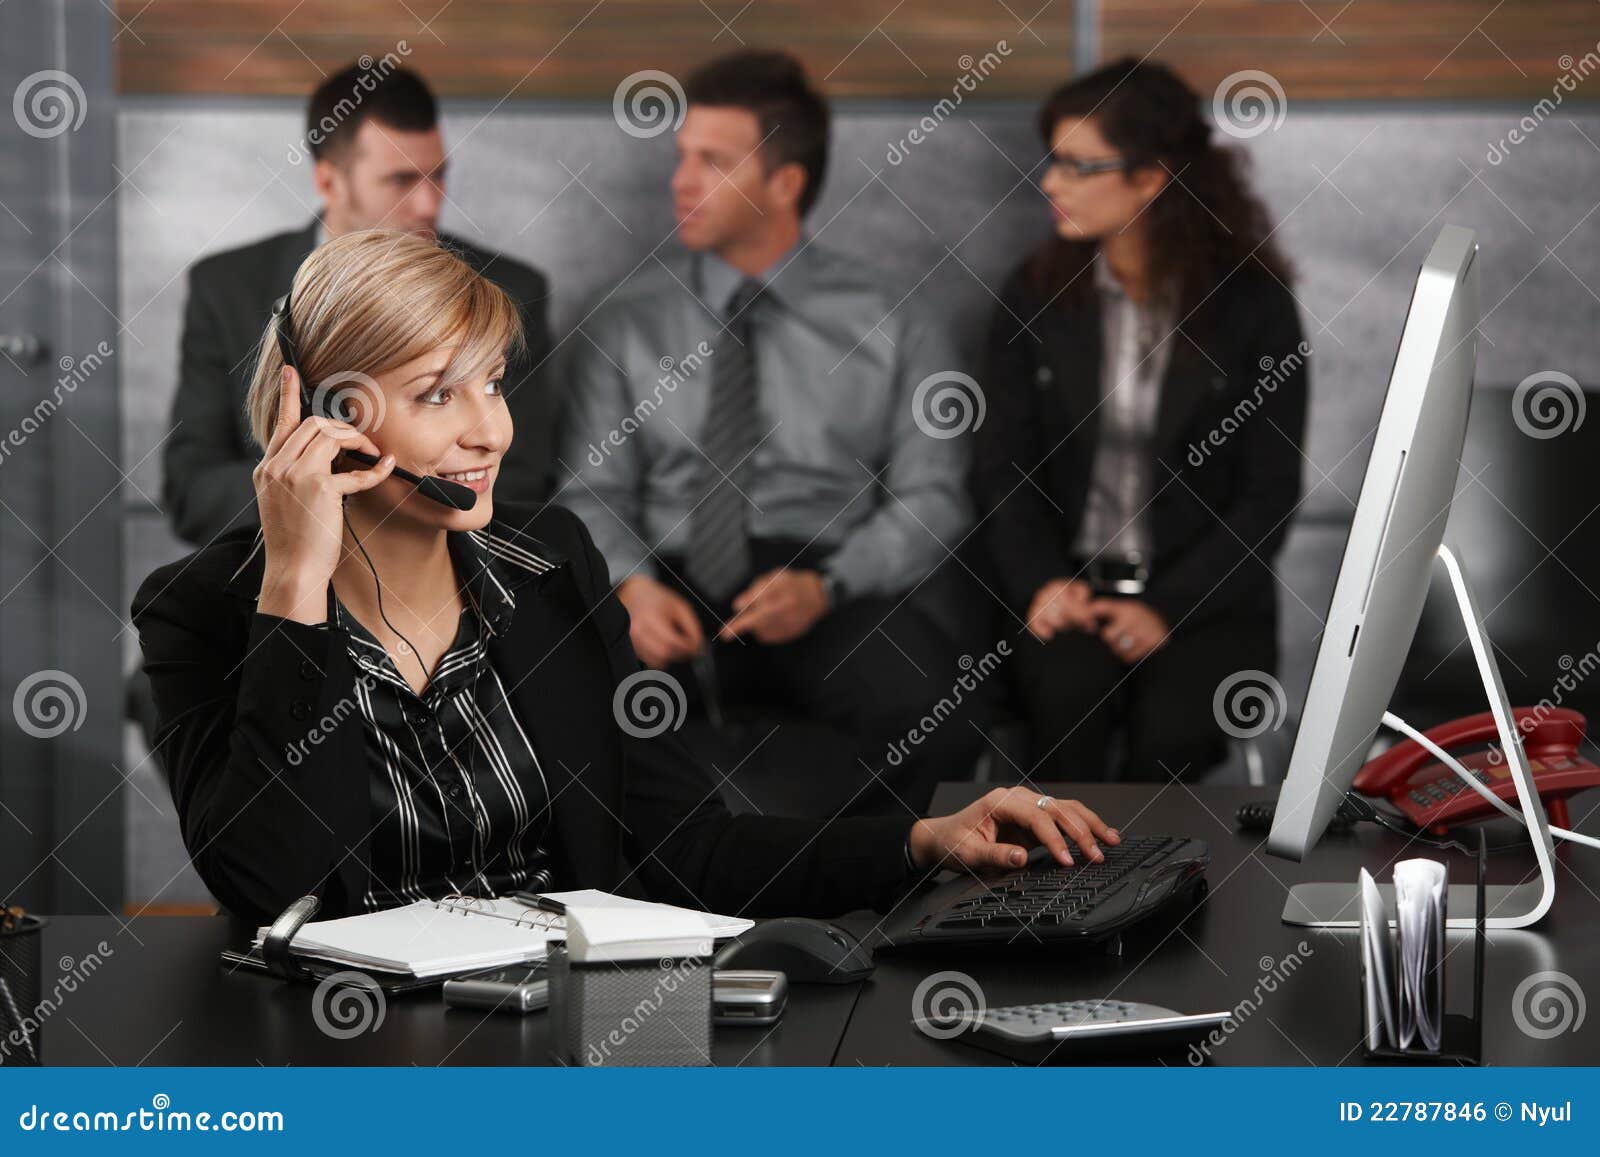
point(441, 490)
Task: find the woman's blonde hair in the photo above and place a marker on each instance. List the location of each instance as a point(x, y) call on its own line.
point(369, 301)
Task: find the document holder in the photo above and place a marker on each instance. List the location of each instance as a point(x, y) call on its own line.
point(1461, 1034)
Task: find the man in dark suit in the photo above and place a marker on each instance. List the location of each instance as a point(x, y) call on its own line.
point(378, 161)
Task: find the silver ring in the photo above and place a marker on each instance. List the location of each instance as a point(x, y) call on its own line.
point(1043, 802)
point(1124, 641)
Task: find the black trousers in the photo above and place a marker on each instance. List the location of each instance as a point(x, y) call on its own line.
point(834, 708)
point(1079, 698)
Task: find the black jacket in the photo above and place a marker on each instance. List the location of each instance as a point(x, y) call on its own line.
point(235, 689)
point(1229, 426)
point(210, 454)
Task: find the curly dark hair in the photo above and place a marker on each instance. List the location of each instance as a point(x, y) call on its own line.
point(1202, 226)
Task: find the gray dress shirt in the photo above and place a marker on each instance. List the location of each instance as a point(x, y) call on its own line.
point(1135, 347)
point(842, 463)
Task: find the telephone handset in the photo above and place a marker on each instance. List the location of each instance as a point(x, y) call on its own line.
point(441, 490)
point(1433, 797)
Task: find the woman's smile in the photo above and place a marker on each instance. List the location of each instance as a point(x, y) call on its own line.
point(475, 480)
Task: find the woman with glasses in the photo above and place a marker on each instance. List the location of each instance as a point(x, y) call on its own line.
point(1146, 382)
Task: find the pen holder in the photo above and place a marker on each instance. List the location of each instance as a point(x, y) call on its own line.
point(19, 991)
point(1460, 1034)
point(644, 1012)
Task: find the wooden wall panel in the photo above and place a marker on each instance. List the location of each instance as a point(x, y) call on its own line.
point(1388, 49)
point(584, 48)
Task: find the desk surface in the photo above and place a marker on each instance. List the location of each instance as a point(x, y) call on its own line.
point(159, 996)
point(1233, 953)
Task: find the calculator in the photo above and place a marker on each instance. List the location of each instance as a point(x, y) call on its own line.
point(1069, 1031)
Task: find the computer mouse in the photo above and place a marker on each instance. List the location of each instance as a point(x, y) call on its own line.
point(807, 951)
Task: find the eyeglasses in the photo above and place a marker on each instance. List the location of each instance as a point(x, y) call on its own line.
point(1071, 165)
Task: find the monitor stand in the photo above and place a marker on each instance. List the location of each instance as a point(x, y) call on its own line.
point(1337, 905)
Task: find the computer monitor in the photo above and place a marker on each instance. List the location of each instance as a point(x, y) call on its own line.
point(1396, 535)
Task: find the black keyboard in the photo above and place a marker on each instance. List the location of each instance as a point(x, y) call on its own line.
point(1046, 901)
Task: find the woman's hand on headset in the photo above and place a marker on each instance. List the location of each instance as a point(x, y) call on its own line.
point(301, 501)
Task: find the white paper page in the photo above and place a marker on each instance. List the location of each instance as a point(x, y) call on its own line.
point(1419, 889)
point(1377, 957)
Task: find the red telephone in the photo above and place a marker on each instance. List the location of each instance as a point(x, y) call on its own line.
point(1433, 797)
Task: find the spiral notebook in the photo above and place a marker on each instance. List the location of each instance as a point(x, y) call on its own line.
point(467, 933)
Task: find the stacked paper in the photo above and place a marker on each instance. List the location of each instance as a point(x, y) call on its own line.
point(596, 933)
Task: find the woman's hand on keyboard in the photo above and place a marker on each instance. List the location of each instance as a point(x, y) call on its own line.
point(994, 832)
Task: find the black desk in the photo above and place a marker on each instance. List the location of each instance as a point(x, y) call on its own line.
point(160, 998)
point(167, 1001)
point(1215, 960)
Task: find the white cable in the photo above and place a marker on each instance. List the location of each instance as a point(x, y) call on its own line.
point(1450, 761)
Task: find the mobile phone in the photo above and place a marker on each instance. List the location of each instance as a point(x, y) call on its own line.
point(748, 996)
point(523, 989)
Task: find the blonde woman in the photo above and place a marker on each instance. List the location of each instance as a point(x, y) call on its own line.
point(382, 698)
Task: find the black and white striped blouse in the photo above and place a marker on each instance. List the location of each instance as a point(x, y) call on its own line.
point(459, 800)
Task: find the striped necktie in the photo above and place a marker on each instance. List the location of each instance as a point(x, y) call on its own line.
point(718, 558)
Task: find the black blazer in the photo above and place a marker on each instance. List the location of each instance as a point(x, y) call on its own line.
point(234, 689)
point(209, 457)
point(1227, 444)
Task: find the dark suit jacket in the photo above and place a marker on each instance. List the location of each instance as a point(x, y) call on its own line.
point(1229, 426)
point(210, 454)
point(235, 689)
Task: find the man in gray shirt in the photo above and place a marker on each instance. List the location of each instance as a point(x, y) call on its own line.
point(742, 437)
